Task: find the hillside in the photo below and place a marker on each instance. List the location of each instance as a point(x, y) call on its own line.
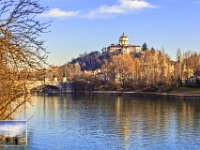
point(94, 60)
point(91, 61)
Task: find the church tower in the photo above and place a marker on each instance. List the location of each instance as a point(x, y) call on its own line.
point(123, 40)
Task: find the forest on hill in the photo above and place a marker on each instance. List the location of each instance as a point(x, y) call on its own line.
point(95, 59)
point(149, 71)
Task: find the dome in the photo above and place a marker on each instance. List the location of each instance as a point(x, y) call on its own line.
point(123, 40)
point(123, 36)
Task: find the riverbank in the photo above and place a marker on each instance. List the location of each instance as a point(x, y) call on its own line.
point(174, 93)
point(181, 93)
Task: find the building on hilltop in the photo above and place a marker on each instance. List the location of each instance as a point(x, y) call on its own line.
point(123, 47)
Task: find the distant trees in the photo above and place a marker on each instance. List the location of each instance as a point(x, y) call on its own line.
point(67, 70)
point(119, 69)
point(144, 47)
point(152, 69)
point(91, 61)
point(179, 66)
point(191, 64)
point(187, 64)
point(21, 51)
point(85, 81)
point(70, 70)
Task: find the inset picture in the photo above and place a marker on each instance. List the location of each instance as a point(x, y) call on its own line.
point(13, 133)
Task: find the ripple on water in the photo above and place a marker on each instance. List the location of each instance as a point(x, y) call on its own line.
point(112, 122)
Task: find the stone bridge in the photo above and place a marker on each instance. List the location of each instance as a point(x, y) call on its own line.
point(67, 85)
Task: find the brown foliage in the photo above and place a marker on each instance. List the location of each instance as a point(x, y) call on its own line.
point(21, 51)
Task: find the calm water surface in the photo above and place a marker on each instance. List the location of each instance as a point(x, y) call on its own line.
point(112, 123)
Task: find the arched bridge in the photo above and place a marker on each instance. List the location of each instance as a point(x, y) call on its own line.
point(52, 85)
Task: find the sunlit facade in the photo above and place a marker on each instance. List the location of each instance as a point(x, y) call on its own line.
point(123, 47)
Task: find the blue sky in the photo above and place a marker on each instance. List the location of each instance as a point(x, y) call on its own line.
point(84, 25)
point(12, 128)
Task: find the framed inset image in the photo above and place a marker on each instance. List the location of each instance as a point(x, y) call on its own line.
point(13, 132)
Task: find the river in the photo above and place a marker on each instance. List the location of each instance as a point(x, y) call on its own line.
point(106, 122)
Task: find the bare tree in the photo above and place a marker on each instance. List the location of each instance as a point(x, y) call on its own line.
point(21, 51)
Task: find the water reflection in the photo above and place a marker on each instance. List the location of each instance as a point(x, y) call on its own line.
point(112, 122)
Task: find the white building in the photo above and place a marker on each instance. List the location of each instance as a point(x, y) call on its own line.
point(123, 47)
